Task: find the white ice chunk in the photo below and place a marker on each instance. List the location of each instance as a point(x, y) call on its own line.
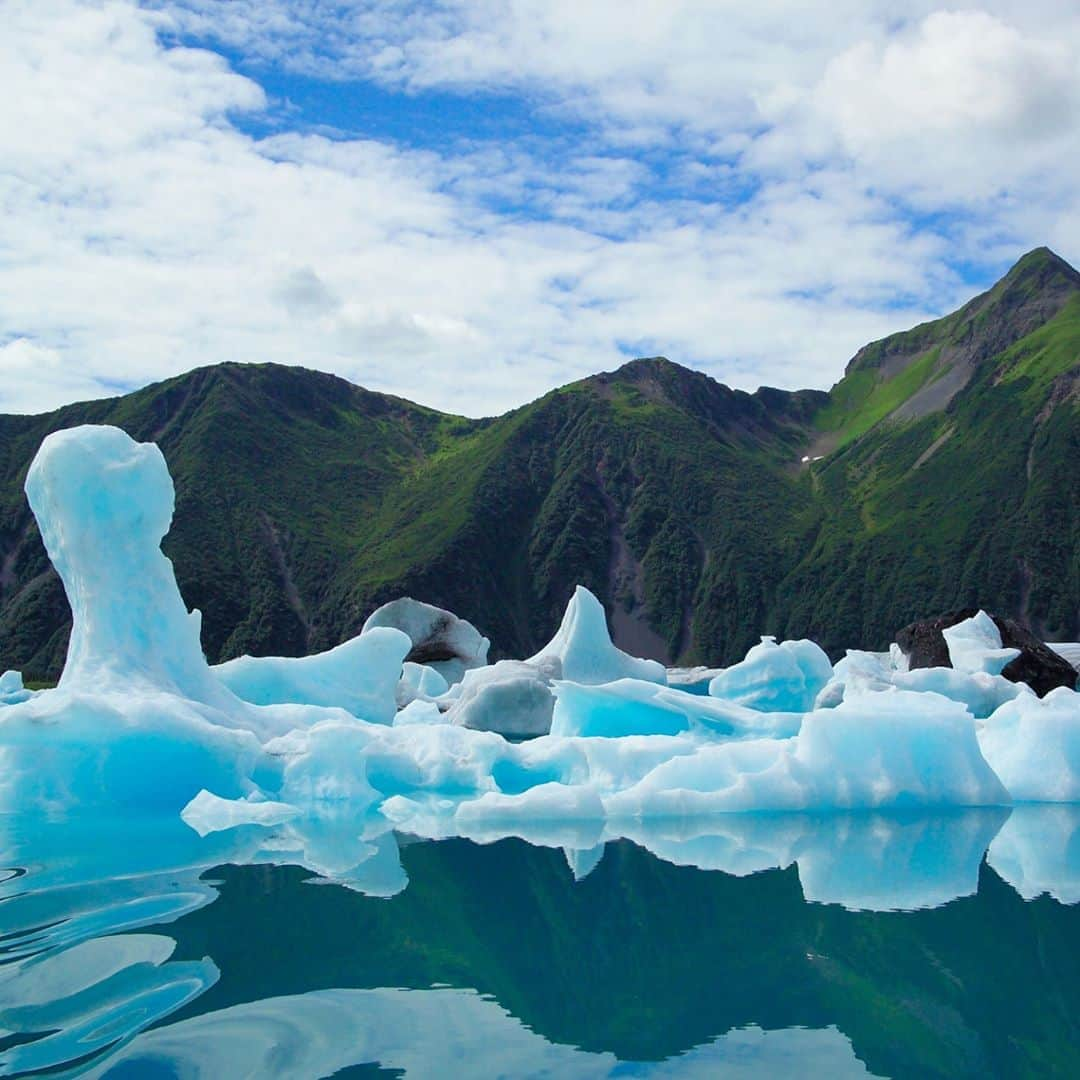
point(440, 639)
point(584, 649)
point(420, 712)
point(545, 802)
point(1067, 650)
point(1033, 744)
point(207, 813)
point(419, 682)
point(975, 645)
point(892, 749)
point(360, 676)
point(776, 678)
point(981, 693)
point(632, 707)
point(12, 691)
point(512, 697)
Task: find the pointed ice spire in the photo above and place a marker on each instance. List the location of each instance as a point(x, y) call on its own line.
point(584, 648)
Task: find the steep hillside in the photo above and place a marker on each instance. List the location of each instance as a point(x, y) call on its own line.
point(965, 490)
point(304, 501)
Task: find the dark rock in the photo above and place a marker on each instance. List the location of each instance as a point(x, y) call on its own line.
point(1037, 665)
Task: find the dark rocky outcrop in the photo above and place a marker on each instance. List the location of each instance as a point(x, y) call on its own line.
point(1037, 665)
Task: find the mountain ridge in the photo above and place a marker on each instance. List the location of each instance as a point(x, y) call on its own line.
point(303, 500)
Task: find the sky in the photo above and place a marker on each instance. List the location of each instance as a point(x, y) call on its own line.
point(470, 202)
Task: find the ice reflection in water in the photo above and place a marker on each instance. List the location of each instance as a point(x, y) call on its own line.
point(122, 954)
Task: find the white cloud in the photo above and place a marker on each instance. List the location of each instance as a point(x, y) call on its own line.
point(36, 379)
point(963, 107)
point(147, 233)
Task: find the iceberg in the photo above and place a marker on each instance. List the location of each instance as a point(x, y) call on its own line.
point(407, 723)
point(1033, 744)
point(892, 749)
point(12, 691)
point(360, 676)
point(512, 697)
point(419, 682)
point(439, 639)
point(632, 707)
point(975, 646)
point(784, 677)
point(584, 650)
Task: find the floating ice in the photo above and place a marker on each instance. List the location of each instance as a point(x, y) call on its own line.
point(776, 678)
point(584, 649)
point(512, 697)
point(103, 502)
point(1034, 746)
point(975, 645)
point(439, 638)
point(360, 676)
point(12, 691)
point(419, 682)
point(892, 749)
point(631, 707)
point(140, 719)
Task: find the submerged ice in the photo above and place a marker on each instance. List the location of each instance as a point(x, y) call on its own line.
point(407, 721)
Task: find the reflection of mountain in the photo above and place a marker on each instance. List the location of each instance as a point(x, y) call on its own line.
point(638, 961)
point(645, 959)
point(437, 1033)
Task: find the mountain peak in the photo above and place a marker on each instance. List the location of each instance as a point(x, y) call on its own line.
point(1041, 264)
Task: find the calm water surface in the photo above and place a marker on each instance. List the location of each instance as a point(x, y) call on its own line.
point(754, 946)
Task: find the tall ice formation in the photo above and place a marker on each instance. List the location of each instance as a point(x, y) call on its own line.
point(140, 718)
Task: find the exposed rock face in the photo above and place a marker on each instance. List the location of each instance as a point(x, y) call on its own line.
point(1037, 665)
point(439, 638)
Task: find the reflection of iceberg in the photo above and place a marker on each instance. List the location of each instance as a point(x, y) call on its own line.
point(440, 1033)
point(890, 863)
point(873, 862)
point(1038, 851)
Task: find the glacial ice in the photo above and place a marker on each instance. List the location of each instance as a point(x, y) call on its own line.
point(512, 697)
point(975, 646)
point(1068, 650)
point(360, 676)
point(12, 691)
point(439, 639)
point(419, 682)
point(584, 649)
point(1033, 744)
point(891, 749)
point(784, 677)
point(140, 720)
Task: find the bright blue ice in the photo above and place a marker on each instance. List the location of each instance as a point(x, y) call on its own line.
point(140, 720)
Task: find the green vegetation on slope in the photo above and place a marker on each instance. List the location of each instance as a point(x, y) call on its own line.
point(303, 502)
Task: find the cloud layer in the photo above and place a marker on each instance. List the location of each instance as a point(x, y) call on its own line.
point(756, 193)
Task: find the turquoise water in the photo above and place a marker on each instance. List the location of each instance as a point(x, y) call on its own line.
point(760, 946)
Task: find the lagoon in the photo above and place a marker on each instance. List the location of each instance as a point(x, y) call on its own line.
point(742, 945)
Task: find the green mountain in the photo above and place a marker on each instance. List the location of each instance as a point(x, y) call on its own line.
point(939, 472)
